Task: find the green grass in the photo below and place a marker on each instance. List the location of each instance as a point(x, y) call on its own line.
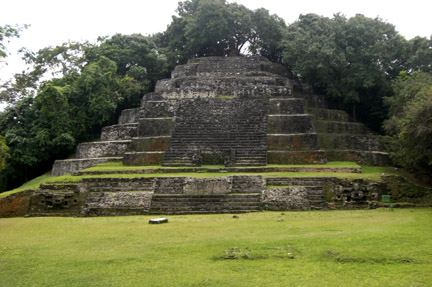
point(113, 166)
point(32, 184)
point(368, 173)
point(318, 248)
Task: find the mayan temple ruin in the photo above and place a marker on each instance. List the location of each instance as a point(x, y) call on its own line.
point(226, 115)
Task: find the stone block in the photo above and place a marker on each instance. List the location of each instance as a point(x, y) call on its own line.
point(158, 109)
point(351, 142)
point(155, 127)
point(143, 158)
point(129, 116)
point(102, 149)
point(286, 106)
point(296, 157)
point(292, 142)
point(374, 158)
point(61, 167)
point(328, 127)
point(119, 132)
point(207, 186)
point(329, 115)
point(16, 204)
point(290, 124)
point(156, 143)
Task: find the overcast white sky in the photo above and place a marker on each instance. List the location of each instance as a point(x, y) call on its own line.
point(56, 21)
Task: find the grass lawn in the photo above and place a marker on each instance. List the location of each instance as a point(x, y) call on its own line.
point(314, 248)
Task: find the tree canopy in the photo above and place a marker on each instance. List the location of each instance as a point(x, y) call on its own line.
point(217, 28)
point(410, 122)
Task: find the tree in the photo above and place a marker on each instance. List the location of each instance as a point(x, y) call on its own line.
point(350, 60)
point(137, 61)
point(217, 28)
point(3, 152)
point(410, 122)
point(7, 32)
point(419, 55)
point(58, 61)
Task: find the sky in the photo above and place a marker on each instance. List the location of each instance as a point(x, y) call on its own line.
point(54, 22)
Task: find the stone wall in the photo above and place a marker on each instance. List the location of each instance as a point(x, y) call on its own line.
point(62, 167)
point(16, 204)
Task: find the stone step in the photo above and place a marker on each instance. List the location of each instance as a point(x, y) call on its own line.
point(289, 124)
point(334, 127)
point(205, 203)
point(119, 132)
point(102, 149)
point(289, 142)
point(129, 116)
point(147, 144)
point(298, 181)
point(351, 142)
point(157, 109)
point(296, 157)
point(330, 115)
point(286, 106)
point(143, 158)
point(61, 167)
point(313, 100)
point(114, 211)
point(155, 127)
point(375, 158)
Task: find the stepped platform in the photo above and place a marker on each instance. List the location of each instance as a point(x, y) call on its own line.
point(219, 169)
point(220, 135)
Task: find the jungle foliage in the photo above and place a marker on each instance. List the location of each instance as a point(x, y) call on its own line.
point(70, 91)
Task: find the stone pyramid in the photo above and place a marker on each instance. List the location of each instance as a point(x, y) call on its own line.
point(235, 111)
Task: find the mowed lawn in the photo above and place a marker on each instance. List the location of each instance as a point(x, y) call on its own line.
point(313, 248)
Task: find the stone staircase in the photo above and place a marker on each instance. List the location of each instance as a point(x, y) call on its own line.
point(191, 204)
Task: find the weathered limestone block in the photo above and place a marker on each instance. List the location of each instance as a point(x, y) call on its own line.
point(345, 194)
point(288, 198)
point(312, 100)
point(286, 106)
point(129, 116)
point(101, 149)
point(155, 127)
point(291, 142)
point(119, 132)
point(327, 127)
point(329, 115)
point(143, 158)
point(296, 157)
point(117, 184)
point(350, 142)
point(190, 69)
point(16, 204)
point(156, 143)
point(120, 199)
point(61, 167)
point(55, 203)
point(290, 124)
point(207, 186)
point(248, 184)
point(211, 66)
point(158, 109)
point(169, 185)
